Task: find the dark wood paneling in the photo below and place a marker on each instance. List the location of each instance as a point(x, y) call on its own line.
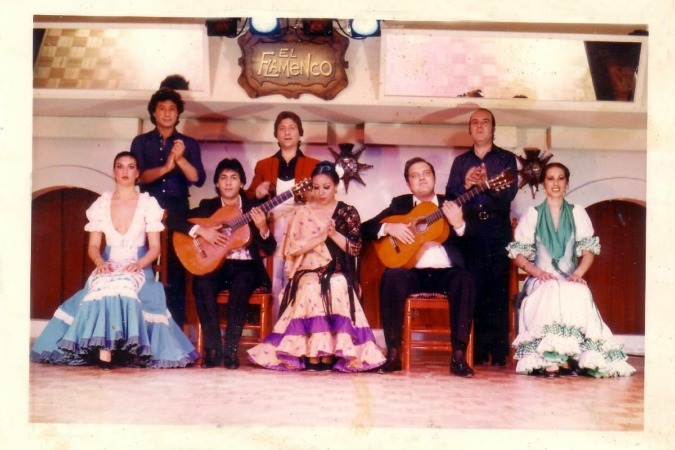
point(59, 262)
point(370, 273)
point(617, 277)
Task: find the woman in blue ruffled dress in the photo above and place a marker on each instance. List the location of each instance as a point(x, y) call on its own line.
point(120, 317)
point(559, 328)
point(321, 325)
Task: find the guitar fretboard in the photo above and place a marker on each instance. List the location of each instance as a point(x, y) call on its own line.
point(462, 199)
point(266, 207)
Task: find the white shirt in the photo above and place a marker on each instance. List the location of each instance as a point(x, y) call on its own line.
point(432, 255)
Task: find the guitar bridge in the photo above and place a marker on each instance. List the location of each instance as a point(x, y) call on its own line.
point(198, 246)
point(395, 244)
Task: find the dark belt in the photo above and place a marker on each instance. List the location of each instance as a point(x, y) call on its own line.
point(487, 215)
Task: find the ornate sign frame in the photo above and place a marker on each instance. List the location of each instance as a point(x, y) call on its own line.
point(293, 64)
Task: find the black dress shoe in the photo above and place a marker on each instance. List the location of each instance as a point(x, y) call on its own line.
point(231, 361)
point(460, 368)
point(211, 359)
point(571, 369)
point(499, 362)
point(393, 362)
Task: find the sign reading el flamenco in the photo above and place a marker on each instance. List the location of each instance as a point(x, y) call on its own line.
point(293, 65)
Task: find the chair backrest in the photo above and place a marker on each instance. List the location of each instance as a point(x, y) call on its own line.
point(516, 275)
point(161, 264)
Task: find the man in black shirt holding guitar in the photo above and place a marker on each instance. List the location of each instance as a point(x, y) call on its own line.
point(242, 270)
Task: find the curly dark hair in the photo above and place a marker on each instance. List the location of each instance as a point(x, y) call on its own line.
point(161, 95)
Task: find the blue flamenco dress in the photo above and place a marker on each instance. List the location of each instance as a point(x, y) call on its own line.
point(558, 319)
point(119, 311)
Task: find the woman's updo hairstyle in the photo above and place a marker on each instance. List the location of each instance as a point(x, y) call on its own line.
point(326, 168)
point(548, 166)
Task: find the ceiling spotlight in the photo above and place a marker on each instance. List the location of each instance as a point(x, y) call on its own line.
point(317, 27)
point(265, 26)
point(222, 27)
point(363, 28)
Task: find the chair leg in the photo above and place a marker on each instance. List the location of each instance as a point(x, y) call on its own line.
point(469, 348)
point(407, 337)
point(200, 339)
point(264, 320)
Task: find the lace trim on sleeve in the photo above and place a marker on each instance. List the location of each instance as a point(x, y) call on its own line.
point(590, 244)
point(520, 248)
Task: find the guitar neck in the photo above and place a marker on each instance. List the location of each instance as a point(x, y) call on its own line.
point(461, 200)
point(471, 193)
point(266, 207)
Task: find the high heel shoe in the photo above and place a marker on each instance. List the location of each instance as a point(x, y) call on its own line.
point(312, 366)
point(551, 373)
point(105, 359)
point(105, 365)
point(327, 364)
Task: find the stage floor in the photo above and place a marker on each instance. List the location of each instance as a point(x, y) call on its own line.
point(425, 397)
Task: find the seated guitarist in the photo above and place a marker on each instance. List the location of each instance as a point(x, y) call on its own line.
point(242, 271)
point(438, 268)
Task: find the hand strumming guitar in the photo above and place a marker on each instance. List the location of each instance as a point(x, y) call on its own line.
point(212, 235)
point(400, 232)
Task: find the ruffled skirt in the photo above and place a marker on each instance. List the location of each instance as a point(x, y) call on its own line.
point(558, 320)
point(121, 312)
point(305, 330)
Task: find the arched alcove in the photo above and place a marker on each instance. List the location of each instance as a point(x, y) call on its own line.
point(596, 191)
point(56, 177)
point(59, 262)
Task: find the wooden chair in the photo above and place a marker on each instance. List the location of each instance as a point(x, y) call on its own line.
point(516, 278)
point(434, 337)
point(261, 326)
point(160, 266)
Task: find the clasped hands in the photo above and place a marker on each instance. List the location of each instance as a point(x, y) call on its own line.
point(176, 154)
point(475, 176)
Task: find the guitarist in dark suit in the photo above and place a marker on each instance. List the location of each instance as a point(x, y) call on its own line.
point(438, 268)
point(242, 271)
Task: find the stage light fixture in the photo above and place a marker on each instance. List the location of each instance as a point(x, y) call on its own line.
point(265, 26)
point(363, 28)
point(317, 27)
point(222, 27)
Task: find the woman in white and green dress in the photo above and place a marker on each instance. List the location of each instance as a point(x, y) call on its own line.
point(559, 328)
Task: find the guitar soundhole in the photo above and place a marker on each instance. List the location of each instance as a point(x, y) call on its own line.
point(420, 226)
point(226, 230)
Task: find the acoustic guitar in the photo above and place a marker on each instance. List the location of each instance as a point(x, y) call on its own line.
point(200, 257)
point(426, 226)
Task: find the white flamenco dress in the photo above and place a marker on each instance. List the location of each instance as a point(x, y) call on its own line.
point(119, 311)
point(558, 319)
